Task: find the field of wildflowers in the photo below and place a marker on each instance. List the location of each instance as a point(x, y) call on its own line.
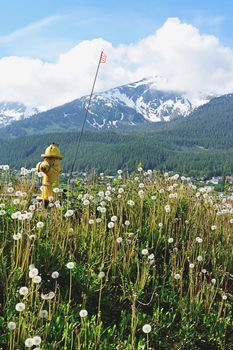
point(140, 261)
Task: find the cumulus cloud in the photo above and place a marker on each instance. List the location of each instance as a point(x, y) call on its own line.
point(189, 61)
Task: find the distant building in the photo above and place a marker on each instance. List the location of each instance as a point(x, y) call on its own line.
point(215, 180)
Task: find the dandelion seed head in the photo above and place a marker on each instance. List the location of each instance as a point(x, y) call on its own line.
point(33, 272)
point(130, 202)
point(146, 328)
point(40, 224)
point(29, 342)
point(55, 274)
point(70, 265)
point(86, 202)
point(101, 274)
point(11, 325)
point(37, 340)
point(20, 307)
point(56, 190)
point(167, 208)
point(145, 251)
point(48, 296)
point(43, 313)
point(103, 210)
point(177, 276)
point(69, 213)
point(23, 291)
point(111, 224)
point(83, 313)
point(36, 279)
point(17, 236)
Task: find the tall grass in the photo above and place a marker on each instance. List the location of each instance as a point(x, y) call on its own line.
point(142, 261)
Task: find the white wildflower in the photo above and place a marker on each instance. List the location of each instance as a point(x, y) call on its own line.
point(111, 224)
point(177, 276)
point(145, 251)
point(36, 279)
point(101, 274)
point(70, 265)
point(23, 291)
point(20, 307)
point(37, 340)
point(33, 272)
point(40, 224)
point(43, 313)
point(55, 274)
point(29, 342)
point(119, 239)
point(11, 326)
point(83, 313)
point(146, 328)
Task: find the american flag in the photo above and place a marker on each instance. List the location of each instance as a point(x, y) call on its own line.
point(103, 57)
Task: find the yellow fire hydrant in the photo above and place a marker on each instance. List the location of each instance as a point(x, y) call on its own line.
point(51, 167)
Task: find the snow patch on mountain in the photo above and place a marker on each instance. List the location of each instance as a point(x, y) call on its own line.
point(14, 111)
point(142, 102)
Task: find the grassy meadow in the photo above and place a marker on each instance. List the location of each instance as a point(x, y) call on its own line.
point(139, 261)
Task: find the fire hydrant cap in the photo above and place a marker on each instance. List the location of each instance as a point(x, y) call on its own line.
point(52, 151)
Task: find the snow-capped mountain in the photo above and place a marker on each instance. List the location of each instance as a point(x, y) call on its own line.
point(141, 101)
point(14, 111)
point(127, 106)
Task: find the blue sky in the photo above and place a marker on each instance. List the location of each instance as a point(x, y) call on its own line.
point(49, 48)
point(44, 29)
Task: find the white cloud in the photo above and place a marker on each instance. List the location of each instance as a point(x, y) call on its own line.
point(190, 61)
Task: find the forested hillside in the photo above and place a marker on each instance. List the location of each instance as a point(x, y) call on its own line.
point(111, 151)
point(201, 145)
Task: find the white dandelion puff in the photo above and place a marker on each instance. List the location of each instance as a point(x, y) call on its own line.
point(83, 313)
point(146, 328)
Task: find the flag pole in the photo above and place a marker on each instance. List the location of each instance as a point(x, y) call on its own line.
point(102, 59)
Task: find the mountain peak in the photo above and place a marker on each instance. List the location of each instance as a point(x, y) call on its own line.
point(122, 107)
